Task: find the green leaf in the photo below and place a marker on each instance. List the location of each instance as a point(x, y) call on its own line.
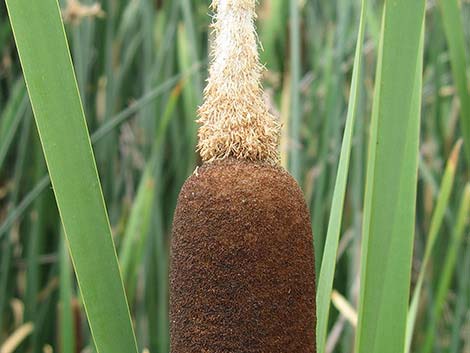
point(436, 222)
point(51, 83)
point(137, 229)
point(462, 300)
point(448, 270)
point(328, 265)
point(451, 17)
point(271, 33)
point(389, 214)
point(294, 160)
point(10, 118)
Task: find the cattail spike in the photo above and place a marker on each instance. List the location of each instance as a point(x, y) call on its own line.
point(235, 119)
point(242, 267)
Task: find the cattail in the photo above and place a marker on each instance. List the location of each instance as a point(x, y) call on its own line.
point(242, 275)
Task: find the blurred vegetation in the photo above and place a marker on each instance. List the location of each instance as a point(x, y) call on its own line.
point(141, 66)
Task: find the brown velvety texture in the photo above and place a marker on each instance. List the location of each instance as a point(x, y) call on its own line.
point(242, 267)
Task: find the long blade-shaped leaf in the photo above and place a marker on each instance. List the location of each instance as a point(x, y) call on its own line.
point(448, 269)
point(53, 92)
point(390, 199)
point(453, 28)
point(10, 118)
point(436, 222)
point(463, 301)
point(296, 116)
point(327, 272)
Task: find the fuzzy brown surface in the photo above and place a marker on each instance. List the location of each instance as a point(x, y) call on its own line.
point(242, 268)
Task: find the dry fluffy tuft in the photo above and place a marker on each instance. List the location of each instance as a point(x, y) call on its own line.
point(235, 119)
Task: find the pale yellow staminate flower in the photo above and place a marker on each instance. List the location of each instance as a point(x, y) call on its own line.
point(235, 119)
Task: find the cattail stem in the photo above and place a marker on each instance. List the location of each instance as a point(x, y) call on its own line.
point(235, 119)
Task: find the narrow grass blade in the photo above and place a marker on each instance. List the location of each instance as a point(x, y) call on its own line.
point(36, 235)
point(296, 116)
point(272, 31)
point(188, 14)
point(448, 270)
point(436, 222)
point(53, 91)
point(140, 218)
point(463, 301)
point(284, 119)
point(135, 236)
point(328, 264)
point(6, 244)
point(389, 214)
point(318, 209)
point(5, 263)
point(24, 204)
point(143, 213)
point(148, 98)
point(191, 92)
point(10, 118)
point(454, 30)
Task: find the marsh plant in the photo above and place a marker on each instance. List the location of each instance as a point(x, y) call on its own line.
point(360, 136)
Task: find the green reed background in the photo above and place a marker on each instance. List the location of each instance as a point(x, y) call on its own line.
point(140, 67)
